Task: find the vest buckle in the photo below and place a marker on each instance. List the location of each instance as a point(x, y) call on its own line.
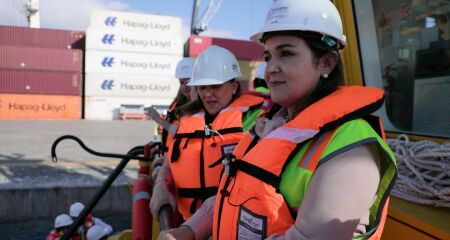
point(229, 163)
point(207, 131)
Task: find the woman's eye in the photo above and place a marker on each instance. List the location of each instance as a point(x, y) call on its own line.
point(266, 58)
point(285, 53)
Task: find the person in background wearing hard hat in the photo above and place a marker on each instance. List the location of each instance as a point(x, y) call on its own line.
point(90, 221)
point(62, 224)
point(210, 129)
point(259, 84)
point(185, 95)
point(318, 168)
point(96, 233)
point(260, 87)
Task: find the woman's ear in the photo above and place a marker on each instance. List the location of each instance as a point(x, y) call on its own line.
point(235, 86)
point(328, 62)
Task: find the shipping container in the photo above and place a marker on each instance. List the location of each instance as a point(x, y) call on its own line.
point(30, 58)
point(41, 38)
point(108, 108)
point(40, 82)
point(27, 106)
point(134, 63)
point(136, 21)
point(134, 41)
point(243, 50)
point(127, 85)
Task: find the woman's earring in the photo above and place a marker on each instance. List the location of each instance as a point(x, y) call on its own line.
point(325, 75)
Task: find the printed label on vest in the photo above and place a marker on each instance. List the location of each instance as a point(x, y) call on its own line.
point(228, 149)
point(251, 225)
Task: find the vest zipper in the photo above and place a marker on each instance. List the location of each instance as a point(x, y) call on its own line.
point(223, 193)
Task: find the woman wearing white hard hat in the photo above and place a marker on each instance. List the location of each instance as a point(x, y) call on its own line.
point(318, 168)
point(62, 224)
point(211, 127)
point(185, 94)
point(260, 87)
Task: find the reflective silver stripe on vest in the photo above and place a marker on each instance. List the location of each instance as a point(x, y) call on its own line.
point(294, 135)
point(141, 195)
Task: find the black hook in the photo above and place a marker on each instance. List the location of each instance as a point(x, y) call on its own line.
point(110, 155)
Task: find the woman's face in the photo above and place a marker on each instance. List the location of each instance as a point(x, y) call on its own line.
point(217, 97)
point(185, 89)
point(292, 72)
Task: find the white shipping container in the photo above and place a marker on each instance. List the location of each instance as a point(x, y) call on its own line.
point(127, 85)
point(134, 41)
point(108, 108)
point(134, 63)
point(135, 21)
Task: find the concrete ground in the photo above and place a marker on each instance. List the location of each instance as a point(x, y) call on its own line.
point(33, 189)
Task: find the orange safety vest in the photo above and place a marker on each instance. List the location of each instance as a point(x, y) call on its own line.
point(267, 99)
point(249, 204)
point(196, 153)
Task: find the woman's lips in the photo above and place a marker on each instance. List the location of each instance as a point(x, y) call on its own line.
point(276, 83)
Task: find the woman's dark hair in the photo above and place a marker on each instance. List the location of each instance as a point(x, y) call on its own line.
point(180, 99)
point(196, 105)
point(319, 48)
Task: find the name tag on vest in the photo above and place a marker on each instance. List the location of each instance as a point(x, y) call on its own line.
point(251, 225)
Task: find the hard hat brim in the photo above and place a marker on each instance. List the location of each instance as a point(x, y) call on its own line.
point(206, 81)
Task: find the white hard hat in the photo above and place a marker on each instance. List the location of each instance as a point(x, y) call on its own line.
point(184, 68)
point(75, 209)
point(215, 65)
point(260, 70)
point(63, 220)
point(320, 16)
point(95, 233)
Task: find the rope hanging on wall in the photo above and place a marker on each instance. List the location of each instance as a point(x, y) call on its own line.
point(423, 171)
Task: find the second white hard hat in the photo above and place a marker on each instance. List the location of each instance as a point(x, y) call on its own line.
point(184, 68)
point(95, 233)
point(320, 16)
point(63, 220)
point(260, 70)
point(215, 65)
point(75, 209)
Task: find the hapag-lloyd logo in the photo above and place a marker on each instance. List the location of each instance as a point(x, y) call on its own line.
point(145, 87)
point(147, 25)
point(146, 42)
point(44, 107)
point(145, 65)
point(277, 13)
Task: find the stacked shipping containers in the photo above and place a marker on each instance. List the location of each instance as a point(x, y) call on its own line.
point(40, 73)
point(248, 53)
point(130, 60)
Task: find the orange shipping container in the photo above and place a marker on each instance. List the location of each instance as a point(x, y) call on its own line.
point(27, 106)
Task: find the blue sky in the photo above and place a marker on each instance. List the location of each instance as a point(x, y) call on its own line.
point(236, 19)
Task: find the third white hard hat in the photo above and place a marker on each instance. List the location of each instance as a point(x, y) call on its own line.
point(63, 220)
point(215, 65)
point(320, 16)
point(95, 233)
point(184, 68)
point(75, 209)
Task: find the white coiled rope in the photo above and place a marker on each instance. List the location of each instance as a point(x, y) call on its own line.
point(423, 171)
